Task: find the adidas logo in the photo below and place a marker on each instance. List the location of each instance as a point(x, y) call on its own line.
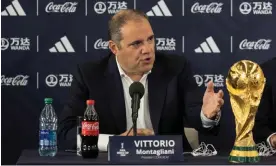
point(14, 9)
point(209, 46)
point(160, 9)
point(62, 46)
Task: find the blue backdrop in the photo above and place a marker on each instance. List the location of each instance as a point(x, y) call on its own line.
point(43, 40)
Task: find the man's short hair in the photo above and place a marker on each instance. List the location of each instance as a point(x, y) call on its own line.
point(121, 18)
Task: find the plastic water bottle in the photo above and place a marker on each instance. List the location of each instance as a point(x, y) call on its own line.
point(48, 122)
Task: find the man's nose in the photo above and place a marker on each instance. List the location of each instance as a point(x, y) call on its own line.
point(146, 48)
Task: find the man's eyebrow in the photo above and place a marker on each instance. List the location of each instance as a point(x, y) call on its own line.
point(140, 41)
point(135, 42)
point(151, 36)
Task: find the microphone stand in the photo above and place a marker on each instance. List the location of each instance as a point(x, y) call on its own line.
point(134, 128)
point(135, 107)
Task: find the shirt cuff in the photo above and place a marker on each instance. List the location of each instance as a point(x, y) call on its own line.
point(103, 141)
point(207, 123)
point(268, 142)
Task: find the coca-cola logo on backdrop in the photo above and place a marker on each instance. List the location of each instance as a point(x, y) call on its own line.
point(211, 8)
point(19, 80)
point(261, 44)
point(100, 44)
point(67, 7)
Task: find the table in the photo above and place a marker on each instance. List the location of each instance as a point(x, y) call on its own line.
point(29, 157)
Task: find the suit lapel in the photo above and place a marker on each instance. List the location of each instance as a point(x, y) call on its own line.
point(115, 94)
point(157, 86)
point(157, 82)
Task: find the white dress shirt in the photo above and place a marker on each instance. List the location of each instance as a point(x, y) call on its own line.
point(143, 120)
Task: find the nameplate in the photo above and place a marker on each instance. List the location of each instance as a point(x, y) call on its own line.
point(137, 149)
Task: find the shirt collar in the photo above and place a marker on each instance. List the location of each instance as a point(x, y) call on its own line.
point(122, 72)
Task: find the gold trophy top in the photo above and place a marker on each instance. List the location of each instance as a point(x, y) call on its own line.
point(246, 81)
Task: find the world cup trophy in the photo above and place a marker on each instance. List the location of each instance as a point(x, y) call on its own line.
point(245, 83)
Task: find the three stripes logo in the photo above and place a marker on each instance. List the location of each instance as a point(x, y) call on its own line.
point(62, 46)
point(209, 46)
point(15, 9)
point(160, 9)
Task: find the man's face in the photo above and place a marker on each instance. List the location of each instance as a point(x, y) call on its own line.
point(137, 52)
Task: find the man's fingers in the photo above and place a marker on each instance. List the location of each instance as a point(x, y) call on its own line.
point(220, 94)
point(141, 132)
point(210, 87)
point(148, 132)
point(220, 102)
point(145, 132)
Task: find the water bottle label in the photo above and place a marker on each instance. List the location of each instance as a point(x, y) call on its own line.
point(52, 138)
point(43, 137)
point(90, 128)
point(47, 138)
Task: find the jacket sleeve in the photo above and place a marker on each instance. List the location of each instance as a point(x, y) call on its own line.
point(74, 107)
point(191, 100)
point(261, 130)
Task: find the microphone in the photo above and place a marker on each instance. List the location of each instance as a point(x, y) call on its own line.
point(136, 92)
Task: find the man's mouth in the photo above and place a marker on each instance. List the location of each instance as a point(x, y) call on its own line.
point(147, 59)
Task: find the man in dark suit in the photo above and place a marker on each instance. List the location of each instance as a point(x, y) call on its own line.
point(170, 90)
point(265, 122)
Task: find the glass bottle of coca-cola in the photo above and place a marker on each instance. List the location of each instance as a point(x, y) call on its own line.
point(90, 131)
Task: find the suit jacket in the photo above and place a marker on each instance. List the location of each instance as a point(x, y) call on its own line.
point(173, 95)
point(265, 122)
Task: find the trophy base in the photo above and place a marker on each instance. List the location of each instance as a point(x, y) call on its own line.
point(243, 154)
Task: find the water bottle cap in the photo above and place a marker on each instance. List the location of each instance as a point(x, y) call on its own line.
point(48, 100)
point(90, 102)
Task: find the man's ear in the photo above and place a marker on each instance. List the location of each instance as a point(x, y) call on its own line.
point(113, 47)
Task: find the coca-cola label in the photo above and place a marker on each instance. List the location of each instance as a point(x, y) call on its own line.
point(100, 44)
point(67, 7)
point(90, 128)
point(19, 80)
point(261, 44)
point(212, 8)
